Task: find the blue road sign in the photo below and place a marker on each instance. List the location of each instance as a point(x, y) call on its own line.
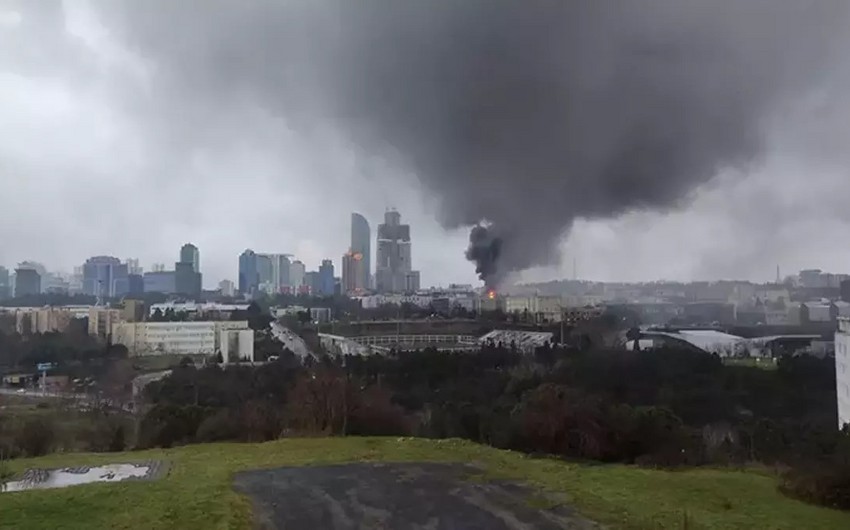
point(43, 367)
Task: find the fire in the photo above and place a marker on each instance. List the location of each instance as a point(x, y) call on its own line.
point(491, 294)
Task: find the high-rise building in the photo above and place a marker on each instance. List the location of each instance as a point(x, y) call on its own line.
point(186, 281)
point(312, 283)
point(326, 278)
point(133, 266)
point(226, 288)
point(27, 282)
point(189, 253)
point(249, 280)
point(361, 243)
point(297, 271)
point(105, 277)
point(393, 269)
point(136, 284)
point(164, 282)
point(353, 264)
point(5, 284)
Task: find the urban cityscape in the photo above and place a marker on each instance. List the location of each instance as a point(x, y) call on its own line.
point(307, 265)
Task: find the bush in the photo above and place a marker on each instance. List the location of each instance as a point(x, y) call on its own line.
point(36, 437)
point(826, 485)
point(221, 426)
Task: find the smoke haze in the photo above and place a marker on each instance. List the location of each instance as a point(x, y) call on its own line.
point(530, 115)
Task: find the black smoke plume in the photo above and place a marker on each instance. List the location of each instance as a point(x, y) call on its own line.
point(484, 250)
point(529, 114)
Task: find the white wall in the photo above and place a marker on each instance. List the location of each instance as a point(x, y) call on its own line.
point(842, 370)
point(154, 338)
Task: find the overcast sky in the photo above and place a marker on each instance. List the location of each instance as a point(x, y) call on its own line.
point(105, 150)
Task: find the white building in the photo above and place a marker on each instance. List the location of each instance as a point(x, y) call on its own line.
point(842, 370)
point(538, 307)
point(236, 345)
point(183, 338)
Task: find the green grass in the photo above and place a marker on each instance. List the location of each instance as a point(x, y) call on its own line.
point(764, 364)
point(197, 492)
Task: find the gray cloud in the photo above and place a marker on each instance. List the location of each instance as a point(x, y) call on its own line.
point(205, 119)
point(528, 115)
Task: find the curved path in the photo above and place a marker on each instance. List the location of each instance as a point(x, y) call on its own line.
point(397, 497)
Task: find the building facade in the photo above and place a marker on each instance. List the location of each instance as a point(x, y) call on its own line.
point(353, 279)
point(105, 277)
point(189, 253)
point(160, 282)
point(361, 243)
point(27, 282)
point(226, 288)
point(297, 271)
point(249, 280)
point(393, 269)
point(326, 278)
point(842, 371)
point(182, 338)
point(5, 284)
point(42, 320)
point(102, 321)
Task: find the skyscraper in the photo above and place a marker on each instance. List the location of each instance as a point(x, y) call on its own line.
point(189, 253)
point(352, 273)
point(105, 277)
point(5, 290)
point(361, 243)
point(27, 282)
point(297, 270)
point(393, 270)
point(249, 280)
point(326, 278)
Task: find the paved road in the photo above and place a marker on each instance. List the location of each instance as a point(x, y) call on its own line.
point(397, 497)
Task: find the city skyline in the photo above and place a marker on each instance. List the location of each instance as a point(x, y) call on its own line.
point(142, 184)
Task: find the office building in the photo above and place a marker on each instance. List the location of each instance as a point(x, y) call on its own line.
point(5, 283)
point(135, 284)
point(27, 282)
point(842, 370)
point(187, 282)
point(273, 271)
point(226, 288)
point(102, 320)
point(361, 243)
point(184, 338)
point(249, 279)
point(353, 264)
point(312, 283)
point(326, 278)
point(236, 345)
point(42, 320)
point(189, 253)
point(393, 269)
point(297, 271)
point(164, 282)
point(105, 277)
point(133, 266)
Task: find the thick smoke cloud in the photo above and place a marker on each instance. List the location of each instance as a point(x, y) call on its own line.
point(528, 114)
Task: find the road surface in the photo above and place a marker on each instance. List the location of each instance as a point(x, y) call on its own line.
point(397, 497)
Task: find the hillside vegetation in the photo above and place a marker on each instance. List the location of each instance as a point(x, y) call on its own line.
point(197, 493)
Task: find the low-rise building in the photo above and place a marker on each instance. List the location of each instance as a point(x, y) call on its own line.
point(538, 308)
point(842, 370)
point(42, 320)
point(184, 338)
point(102, 321)
point(236, 345)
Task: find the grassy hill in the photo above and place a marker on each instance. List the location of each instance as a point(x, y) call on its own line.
point(197, 493)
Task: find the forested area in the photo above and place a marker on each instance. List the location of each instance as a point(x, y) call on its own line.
point(663, 408)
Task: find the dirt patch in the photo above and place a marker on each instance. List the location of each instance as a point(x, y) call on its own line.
point(398, 497)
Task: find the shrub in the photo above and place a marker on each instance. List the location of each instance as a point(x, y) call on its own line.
point(36, 437)
point(826, 485)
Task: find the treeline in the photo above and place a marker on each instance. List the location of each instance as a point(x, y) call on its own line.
point(662, 408)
